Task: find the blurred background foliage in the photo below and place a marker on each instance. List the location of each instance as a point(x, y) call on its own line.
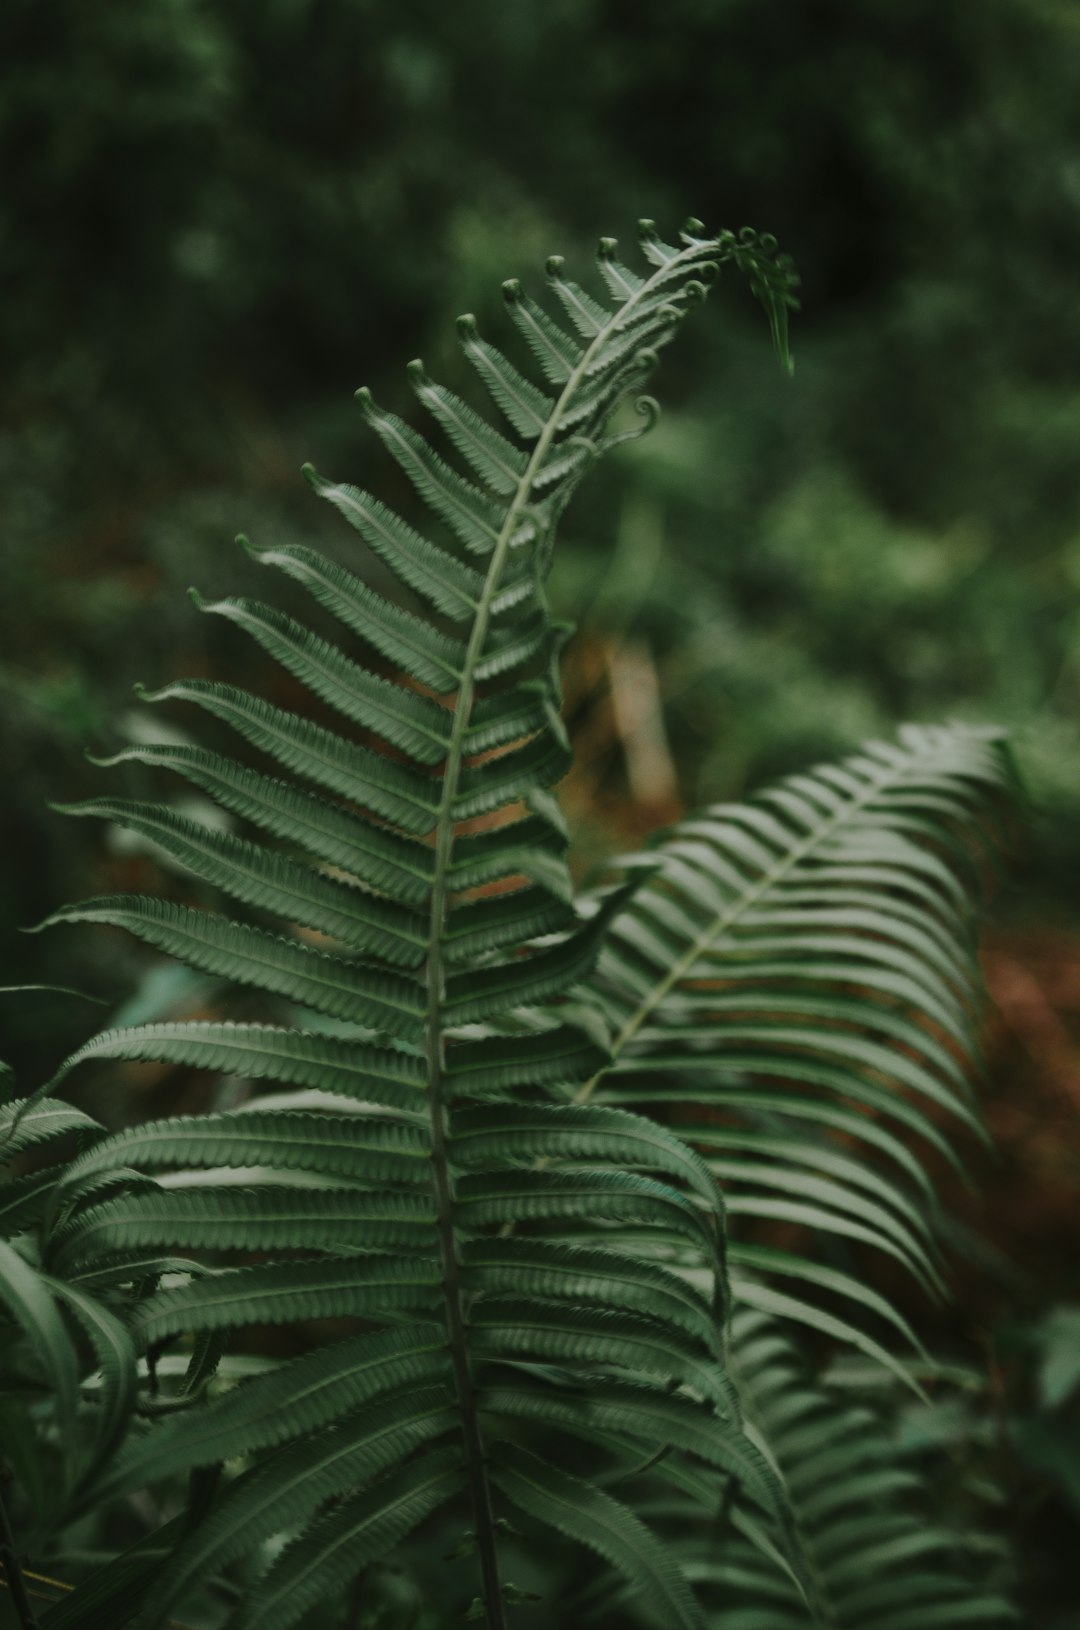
point(218, 219)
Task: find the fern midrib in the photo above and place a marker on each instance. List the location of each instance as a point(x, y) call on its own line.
point(724, 920)
point(435, 972)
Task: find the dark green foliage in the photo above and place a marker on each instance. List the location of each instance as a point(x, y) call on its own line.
point(874, 1565)
point(796, 988)
point(524, 1286)
point(209, 211)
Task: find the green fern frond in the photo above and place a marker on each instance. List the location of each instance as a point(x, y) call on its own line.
point(503, 1161)
point(362, 1285)
point(86, 1359)
point(589, 1516)
point(273, 883)
point(22, 1128)
point(115, 1353)
point(328, 1554)
point(795, 990)
point(292, 1400)
point(27, 1301)
point(453, 1013)
point(876, 1562)
point(51, 1330)
point(284, 967)
point(283, 1491)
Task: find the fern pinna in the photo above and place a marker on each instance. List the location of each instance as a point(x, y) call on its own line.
point(517, 1270)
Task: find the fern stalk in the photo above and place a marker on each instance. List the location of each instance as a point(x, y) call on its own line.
point(434, 975)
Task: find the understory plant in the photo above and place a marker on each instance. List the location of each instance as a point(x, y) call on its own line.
point(524, 1213)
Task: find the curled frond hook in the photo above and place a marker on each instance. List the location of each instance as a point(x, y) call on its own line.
point(649, 409)
point(148, 693)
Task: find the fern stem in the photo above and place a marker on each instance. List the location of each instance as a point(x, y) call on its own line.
point(479, 1484)
point(435, 975)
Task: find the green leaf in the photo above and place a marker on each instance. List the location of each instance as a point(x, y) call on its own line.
point(417, 727)
point(115, 1352)
point(818, 935)
point(769, 1300)
point(445, 583)
point(496, 460)
point(279, 1293)
point(287, 1488)
point(257, 1218)
point(25, 1128)
point(527, 408)
point(409, 642)
point(387, 788)
point(363, 1149)
point(506, 1328)
point(588, 1276)
point(662, 1421)
point(466, 510)
point(376, 855)
point(587, 1515)
point(23, 1200)
point(530, 1132)
point(272, 883)
point(579, 1199)
point(559, 1057)
point(358, 1530)
point(212, 944)
point(293, 1400)
point(385, 1185)
point(557, 354)
point(353, 1069)
point(27, 1296)
point(537, 978)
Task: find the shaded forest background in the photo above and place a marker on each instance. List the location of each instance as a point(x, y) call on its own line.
point(218, 220)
